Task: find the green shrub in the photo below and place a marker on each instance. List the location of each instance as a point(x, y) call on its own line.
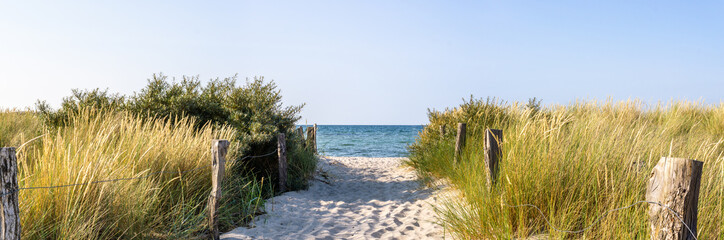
point(79, 99)
point(164, 99)
point(254, 110)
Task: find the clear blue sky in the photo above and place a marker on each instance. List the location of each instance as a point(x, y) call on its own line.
point(370, 62)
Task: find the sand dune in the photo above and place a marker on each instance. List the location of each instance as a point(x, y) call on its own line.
point(352, 198)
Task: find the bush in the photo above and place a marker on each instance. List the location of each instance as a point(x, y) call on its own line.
point(165, 99)
point(96, 98)
point(254, 110)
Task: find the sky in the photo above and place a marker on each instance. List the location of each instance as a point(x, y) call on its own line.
point(370, 62)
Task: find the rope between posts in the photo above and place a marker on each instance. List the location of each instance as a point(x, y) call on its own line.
point(602, 216)
point(247, 157)
point(128, 178)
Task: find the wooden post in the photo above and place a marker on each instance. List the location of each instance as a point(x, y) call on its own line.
point(442, 131)
point(300, 130)
point(218, 159)
point(310, 138)
point(315, 138)
point(675, 184)
point(10, 212)
point(493, 139)
point(282, 151)
point(460, 142)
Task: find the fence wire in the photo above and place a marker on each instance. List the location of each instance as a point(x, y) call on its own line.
point(602, 216)
point(275, 151)
point(128, 178)
point(264, 155)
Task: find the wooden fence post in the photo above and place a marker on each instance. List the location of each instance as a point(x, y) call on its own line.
point(9, 189)
point(460, 142)
point(282, 151)
point(442, 131)
point(310, 139)
point(493, 138)
point(315, 138)
point(300, 130)
point(675, 184)
point(218, 159)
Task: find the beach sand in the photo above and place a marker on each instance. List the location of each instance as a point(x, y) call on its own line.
point(351, 198)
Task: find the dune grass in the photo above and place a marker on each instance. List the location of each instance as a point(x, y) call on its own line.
point(167, 205)
point(575, 162)
point(161, 137)
point(18, 127)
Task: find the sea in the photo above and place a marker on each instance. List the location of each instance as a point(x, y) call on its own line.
point(365, 140)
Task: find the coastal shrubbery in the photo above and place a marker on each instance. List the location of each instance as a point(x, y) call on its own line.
point(575, 162)
point(168, 127)
point(254, 110)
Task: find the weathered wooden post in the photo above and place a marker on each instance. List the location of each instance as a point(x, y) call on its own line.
point(218, 159)
point(675, 184)
point(9, 189)
point(315, 138)
point(442, 131)
point(460, 142)
point(300, 130)
point(310, 139)
point(282, 151)
point(493, 139)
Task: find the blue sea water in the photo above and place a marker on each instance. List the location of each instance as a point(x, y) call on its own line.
point(366, 140)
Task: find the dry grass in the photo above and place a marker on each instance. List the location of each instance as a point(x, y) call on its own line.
point(17, 127)
point(574, 162)
point(118, 145)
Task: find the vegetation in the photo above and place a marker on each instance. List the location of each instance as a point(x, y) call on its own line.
point(18, 127)
point(575, 162)
point(254, 110)
point(161, 137)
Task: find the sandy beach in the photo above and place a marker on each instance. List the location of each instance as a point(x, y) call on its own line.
point(351, 198)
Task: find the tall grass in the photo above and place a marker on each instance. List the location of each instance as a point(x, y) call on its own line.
point(168, 205)
point(18, 127)
point(575, 162)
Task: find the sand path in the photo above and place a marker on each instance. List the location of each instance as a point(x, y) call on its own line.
point(363, 198)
